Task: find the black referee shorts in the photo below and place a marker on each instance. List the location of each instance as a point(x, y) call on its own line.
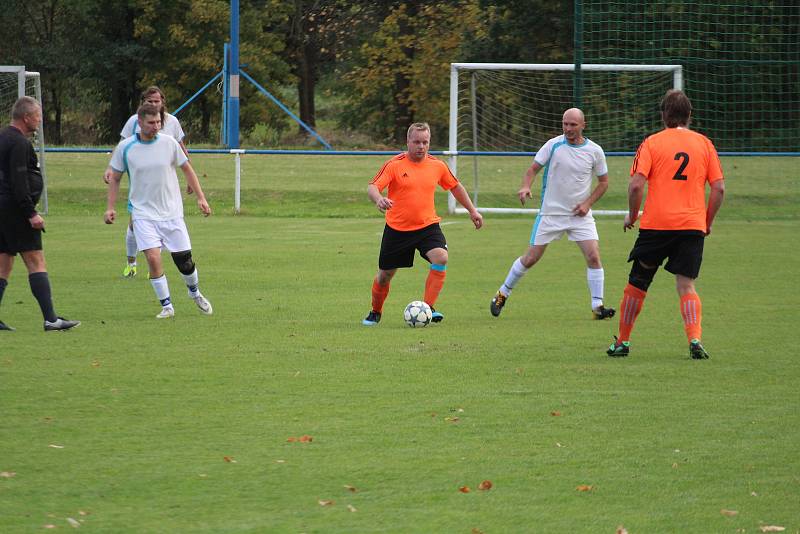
point(683, 250)
point(16, 233)
point(397, 248)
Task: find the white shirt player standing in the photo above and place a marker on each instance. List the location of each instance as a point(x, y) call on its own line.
point(171, 126)
point(156, 204)
point(570, 162)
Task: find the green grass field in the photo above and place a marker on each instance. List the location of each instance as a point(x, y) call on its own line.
point(129, 424)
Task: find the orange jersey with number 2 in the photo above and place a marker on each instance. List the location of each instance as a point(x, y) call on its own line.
point(677, 163)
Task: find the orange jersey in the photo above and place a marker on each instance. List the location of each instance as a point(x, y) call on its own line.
point(677, 163)
point(411, 189)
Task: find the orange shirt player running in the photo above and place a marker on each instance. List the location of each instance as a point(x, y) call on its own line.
point(412, 186)
point(677, 163)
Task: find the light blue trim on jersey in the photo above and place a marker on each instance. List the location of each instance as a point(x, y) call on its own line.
point(438, 267)
point(535, 227)
point(546, 170)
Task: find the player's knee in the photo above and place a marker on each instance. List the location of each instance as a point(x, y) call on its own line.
point(641, 276)
point(183, 261)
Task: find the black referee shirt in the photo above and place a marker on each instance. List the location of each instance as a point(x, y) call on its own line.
point(21, 182)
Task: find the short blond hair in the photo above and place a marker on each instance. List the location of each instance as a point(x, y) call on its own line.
point(418, 127)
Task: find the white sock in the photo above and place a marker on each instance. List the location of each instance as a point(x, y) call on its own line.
point(161, 288)
point(191, 281)
point(595, 278)
point(516, 272)
point(130, 244)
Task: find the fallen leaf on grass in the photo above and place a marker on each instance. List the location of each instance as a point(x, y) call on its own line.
point(50, 526)
point(352, 508)
point(558, 444)
point(350, 488)
point(729, 513)
point(53, 446)
point(771, 528)
point(464, 489)
point(95, 363)
point(291, 439)
point(476, 531)
point(585, 487)
point(555, 414)
point(74, 523)
point(621, 530)
point(305, 439)
point(675, 466)
point(7, 474)
point(486, 485)
point(452, 419)
point(326, 503)
point(229, 459)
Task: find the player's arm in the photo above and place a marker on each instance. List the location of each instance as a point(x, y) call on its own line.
point(635, 196)
point(113, 190)
point(381, 202)
point(602, 186)
point(194, 184)
point(189, 189)
point(524, 192)
point(714, 202)
point(460, 194)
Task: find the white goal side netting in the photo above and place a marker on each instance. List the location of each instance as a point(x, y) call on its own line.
point(507, 109)
point(15, 82)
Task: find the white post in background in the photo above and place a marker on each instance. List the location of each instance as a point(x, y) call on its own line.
point(452, 149)
point(237, 188)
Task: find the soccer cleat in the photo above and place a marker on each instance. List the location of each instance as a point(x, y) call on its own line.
point(436, 317)
point(619, 349)
point(129, 271)
point(497, 304)
point(166, 312)
point(60, 324)
point(601, 312)
point(372, 318)
point(4, 326)
point(696, 350)
point(202, 303)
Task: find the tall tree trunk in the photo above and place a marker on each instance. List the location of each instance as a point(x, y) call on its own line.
point(403, 114)
point(306, 84)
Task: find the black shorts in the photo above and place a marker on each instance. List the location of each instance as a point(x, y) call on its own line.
point(397, 248)
point(684, 248)
point(16, 233)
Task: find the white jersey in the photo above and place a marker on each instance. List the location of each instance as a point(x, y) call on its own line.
point(171, 126)
point(568, 172)
point(155, 193)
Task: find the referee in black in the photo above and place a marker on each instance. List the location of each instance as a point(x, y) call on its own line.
point(21, 227)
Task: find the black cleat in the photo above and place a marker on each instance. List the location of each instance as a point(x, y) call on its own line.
point(619, 349)
point(372, 318)
point(497, 304)
point(4, 326)
point(696, 350)
point(602, 312)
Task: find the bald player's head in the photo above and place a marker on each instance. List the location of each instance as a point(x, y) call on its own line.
point(573, 124)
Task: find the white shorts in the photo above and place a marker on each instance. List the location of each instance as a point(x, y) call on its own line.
point(171, 234)
point(548, 228)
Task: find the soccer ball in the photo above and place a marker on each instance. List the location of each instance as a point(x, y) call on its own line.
point(417, 314)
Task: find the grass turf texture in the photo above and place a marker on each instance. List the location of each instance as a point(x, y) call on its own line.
point(146, 411)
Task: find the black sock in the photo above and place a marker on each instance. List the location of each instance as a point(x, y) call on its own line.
point(40, 287)
point(3, 284)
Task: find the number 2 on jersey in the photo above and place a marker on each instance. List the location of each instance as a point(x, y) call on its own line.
point(679, 173)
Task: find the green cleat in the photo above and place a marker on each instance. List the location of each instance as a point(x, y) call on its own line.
point(129, 271)
point(696, 350)
point(619, 349)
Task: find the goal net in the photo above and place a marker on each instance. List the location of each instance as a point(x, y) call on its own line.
point(513, 109)
point(15, 82)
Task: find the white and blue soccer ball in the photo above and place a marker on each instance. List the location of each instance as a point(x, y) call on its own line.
point(417, 314)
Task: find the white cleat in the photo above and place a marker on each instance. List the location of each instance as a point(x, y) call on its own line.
point(166, 312)
point(202, 303)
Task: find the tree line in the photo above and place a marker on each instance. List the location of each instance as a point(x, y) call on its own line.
point(378, 65)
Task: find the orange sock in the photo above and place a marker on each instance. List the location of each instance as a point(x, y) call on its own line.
point(379, 294)
point(434, 283)
point(692, 313)
point(629, 308)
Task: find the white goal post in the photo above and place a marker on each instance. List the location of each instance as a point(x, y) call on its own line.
point(512, 109)
point(16, 82)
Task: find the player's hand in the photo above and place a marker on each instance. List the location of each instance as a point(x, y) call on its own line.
point(189, 189)
point(581, 209)
point(708, 230)
point(524, 193)
point(110, 216)
point(477, 219)
point(37, 222)
point(204, 207)
point(384, 203)
point(628, 223)
point(107, 175)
